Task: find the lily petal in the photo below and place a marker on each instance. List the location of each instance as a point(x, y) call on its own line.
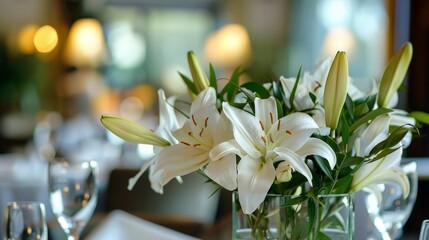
point(367, 170)
point(179, 160)
point(266, 111)
point(223, 149)
point(247, 130)
point(376, 132)
point(295, 161)
point(318, 147)
point(206, 99)
point(394, 175)
point(223, 172)
point(293, 130)
point(255, 178)
point(131, 131)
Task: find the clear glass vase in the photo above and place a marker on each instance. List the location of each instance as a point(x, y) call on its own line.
point(291, 217)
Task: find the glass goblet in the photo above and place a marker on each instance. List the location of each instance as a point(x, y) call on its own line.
point(25, 220)
point(386, 206)
point(424, 231)
point(73, 193)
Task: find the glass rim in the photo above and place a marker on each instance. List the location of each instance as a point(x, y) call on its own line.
point(24, 203)
point(69, 161)
point(289, 195)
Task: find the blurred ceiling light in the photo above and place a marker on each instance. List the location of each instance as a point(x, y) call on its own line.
point(334, 13)
point(45, 39)
point(128, 48)
point(339, 39)
point(229, 47)
point(85, 44)
point(25, 39)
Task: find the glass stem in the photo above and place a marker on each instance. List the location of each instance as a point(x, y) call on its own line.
point(73, 234)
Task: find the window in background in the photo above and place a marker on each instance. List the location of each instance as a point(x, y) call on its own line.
point(149, 45)
point(319, 30)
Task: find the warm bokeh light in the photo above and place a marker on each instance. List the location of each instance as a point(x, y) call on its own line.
point(106, 102)
point(85, 44)
point(339, 39)
point(25, 39)
point(45, 39)
point(146, 93)
point(229, 46)
point(131, 108)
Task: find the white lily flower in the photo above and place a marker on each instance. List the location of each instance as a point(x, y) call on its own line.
point(315, 83)
point(167, 123)
point(265, 139)
point(204, 141)
point(382, 170)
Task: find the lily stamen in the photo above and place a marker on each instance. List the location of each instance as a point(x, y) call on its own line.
point(206, 122)
point(318, 85)
point(193, 120)
point(262, 125)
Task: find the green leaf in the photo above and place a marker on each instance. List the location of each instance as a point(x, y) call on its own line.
point(279, 108)
point(294, 201)
point(322, 236)
point(394, 138)
point(231, 88)
point(343, 184)
point(189, 83)
point(421, 117)
point(213, 79)
point(295, 86)
point(324, 166)
point(345, 130)
point(368, 117)
point(361, 109)
point(311, 212)
point(277, 90)
point(352, 161)
point(257, 88)
point(384, 153)
point(312, 97)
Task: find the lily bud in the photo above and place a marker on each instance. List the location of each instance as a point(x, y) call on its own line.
point(394, 74)
point(201, 81)
point(336, 90)
point(131, 131)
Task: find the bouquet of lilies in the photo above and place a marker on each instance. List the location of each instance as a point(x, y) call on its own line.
point(318, 133)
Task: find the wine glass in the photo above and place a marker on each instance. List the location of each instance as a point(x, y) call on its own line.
point(25, 220)
point(73, 193)
point(386, 206)
point(424, 231)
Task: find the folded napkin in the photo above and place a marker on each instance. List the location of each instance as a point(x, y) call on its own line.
point(122, 225)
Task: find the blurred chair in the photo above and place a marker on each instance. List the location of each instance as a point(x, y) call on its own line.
point(190, 207)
